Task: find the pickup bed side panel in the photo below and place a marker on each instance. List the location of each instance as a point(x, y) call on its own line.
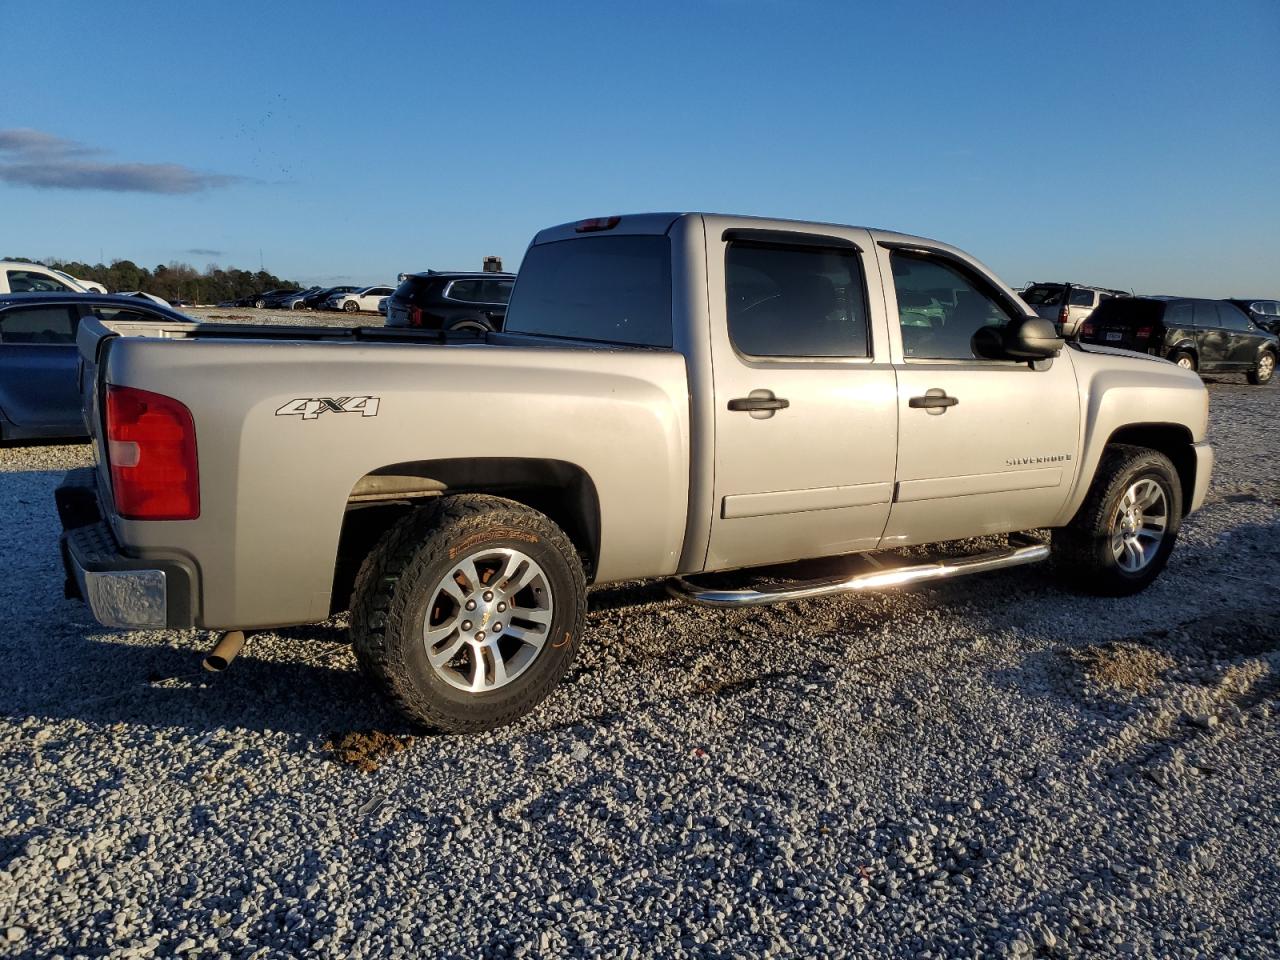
point(274, 483)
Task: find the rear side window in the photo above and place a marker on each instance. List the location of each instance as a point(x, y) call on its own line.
point(1081, 298)
point(795, 301)
point(39, 325)
point(468, 291)
point(496, 291)
point(607, 289)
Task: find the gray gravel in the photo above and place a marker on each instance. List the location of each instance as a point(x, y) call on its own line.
point(994, 767)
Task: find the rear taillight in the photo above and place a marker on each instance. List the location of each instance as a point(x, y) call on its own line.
point(1064, 314)
point(1142, 333)
point(1086, 329)
point(415, 316)
point(151, 449)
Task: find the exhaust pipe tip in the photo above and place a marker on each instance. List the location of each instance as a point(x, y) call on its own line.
point(224, 651)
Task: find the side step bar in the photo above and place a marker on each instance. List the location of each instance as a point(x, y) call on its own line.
point(1020, 551)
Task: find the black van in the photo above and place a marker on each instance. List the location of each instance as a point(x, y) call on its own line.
point(1212, 336)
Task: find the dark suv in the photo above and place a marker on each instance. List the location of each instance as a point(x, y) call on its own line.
point(1212, 336)
point(437, 300)
point(1264, 313)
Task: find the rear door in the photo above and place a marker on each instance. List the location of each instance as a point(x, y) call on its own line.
point(38, 366)
point(1212, 340)
point(984, 446)
point(805, 412)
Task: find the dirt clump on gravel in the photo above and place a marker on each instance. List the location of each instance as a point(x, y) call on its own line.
point(1126, 666)
point(364, 749)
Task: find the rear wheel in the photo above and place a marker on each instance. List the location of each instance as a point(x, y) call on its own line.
point(1122, 535)
point(1261, 375)
point(474, 324)
point(1184, 359)
point(469, 612)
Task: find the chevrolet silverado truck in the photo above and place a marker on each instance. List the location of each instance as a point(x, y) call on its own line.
point(674, 396)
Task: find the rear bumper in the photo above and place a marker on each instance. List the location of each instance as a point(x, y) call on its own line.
point(121, 591)
point(1204, 471)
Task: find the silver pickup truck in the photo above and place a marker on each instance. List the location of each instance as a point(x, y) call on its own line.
point(673, 396)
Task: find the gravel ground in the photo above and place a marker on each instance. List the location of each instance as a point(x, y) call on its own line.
point(995, 767)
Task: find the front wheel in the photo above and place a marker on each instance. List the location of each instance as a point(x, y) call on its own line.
point(469, 612)
point(351, 306)
point(1261, 375)
point(259, 304)
point(1121, 537)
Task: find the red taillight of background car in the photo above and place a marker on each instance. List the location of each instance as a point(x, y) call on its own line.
point(1142, 333)
point(151, 449)
point(415, 316)
point(1064, 315)
point(1086, 329)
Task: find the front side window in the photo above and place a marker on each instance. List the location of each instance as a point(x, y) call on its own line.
point(609, 289)
point(940, 309)
point(38, 325)
point(1232, 317)
point(30, 281)
point(797, 301)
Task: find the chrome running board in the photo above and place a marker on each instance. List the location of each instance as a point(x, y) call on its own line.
point(1020, 551)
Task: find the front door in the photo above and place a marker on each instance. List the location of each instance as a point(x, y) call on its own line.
point(985, 446)
point(806, 422)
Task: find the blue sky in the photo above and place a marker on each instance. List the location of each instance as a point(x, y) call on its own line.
point(1128, 144)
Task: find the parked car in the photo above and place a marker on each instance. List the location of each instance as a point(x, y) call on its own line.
point(316, 301)
point(17, 276)
point(441, 300)
point(1211, 336)
point(362, 298)
point(91, 286)
point(143, 295)
point(674, 395)
point(297, 300)
point(1264, 313)
point(1067, 304)
point(39, 396)
point(277, 300)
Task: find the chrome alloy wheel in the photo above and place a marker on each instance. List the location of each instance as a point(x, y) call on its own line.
point(1266, 367)
point(1139, 525)
point(488, 619)
point(1185, 363)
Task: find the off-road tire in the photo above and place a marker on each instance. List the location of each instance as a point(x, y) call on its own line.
point(1082, 550)
point(1185, 355)
point(1256, 375)
point(394, 587)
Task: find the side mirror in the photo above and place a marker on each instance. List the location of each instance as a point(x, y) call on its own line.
point(1026, 338)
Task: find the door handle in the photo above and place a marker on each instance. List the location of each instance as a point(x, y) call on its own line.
point(932, 401)
point(759, 403)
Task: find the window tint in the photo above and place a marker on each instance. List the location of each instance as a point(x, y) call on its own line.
point(1081, 298)
point(1232, 317)
point(28, 281)
point(126, 314)
point(1043, 295)
point(795, 301)
point(38, 325)
point(1178, 315)
point(940, 309)
point(612, 289)
point(380, 292)
point(467, 291)
point(1206, 313)
point(496, 291)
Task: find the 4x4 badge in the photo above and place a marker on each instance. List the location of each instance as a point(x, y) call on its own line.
point(308, 408)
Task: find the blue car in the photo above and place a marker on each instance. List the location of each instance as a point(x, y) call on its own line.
point(39, 395)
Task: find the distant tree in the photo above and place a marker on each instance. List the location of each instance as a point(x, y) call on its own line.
point(172, 281)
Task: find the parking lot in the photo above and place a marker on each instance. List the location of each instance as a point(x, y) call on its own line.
point(995, 766)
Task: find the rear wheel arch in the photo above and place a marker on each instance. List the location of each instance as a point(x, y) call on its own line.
point(561, 491)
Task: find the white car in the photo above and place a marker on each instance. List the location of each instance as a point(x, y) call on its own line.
point(91, 286)
point(364, 299)
point(17, 276)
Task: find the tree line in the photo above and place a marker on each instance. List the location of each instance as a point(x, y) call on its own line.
point(172, 281)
